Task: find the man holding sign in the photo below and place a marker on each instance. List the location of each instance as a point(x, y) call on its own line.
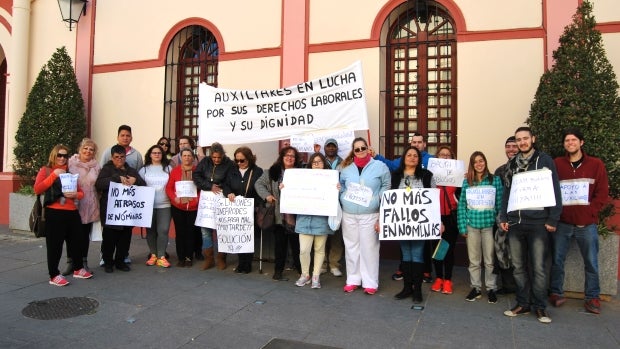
point(531, 208)
point(585, 191)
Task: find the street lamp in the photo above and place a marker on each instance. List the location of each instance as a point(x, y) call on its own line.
point(71, 10)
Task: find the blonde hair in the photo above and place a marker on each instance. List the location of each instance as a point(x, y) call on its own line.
point(349, 159)
point(51, 162)
point(87, 141)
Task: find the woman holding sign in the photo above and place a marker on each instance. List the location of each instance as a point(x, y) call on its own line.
point(410, 175)
point(61, 215)
point(363, 180)
point(241, 179)
point(481, 197)
point(184, 209)
point(155, 173)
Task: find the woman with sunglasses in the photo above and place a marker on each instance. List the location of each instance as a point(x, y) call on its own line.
point(62, 220)
point(410, 174)
point(164, 143)
point(363, 180)
point(155, 173)
point(268, 188)
point(240, 182)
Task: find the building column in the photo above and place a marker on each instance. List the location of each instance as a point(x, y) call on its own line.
point(558, 14)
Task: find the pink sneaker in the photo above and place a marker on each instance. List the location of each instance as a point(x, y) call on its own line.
point(82, 274)
point(370, 291)
point(349, 288)
point(59, 280)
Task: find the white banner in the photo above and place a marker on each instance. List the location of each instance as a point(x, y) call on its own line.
point(358, 194)
point(69, 182)
point(575, 191)
point(331, 102)
point(481, 197)
point(235, 225)
point(410, 214)
point(207, 205)
point(311, 192)
point(447, 172)
point(531, 190)
point(185, 189)
point(130, 205)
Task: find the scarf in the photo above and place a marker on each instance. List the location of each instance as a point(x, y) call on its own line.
point(522, 162)
point(362, 162)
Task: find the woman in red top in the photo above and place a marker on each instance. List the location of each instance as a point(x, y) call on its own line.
point(184, 209)
point(62, 220)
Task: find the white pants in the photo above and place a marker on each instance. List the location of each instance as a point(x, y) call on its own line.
point(305, 245)
point(361, 249)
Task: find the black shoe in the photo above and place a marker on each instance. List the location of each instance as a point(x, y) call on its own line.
point(397, 276)
point(239, 270)
point(198, 256)
point(427, 278)
point(542, 316)
point(108, 268)
point(122, 266)
point(417, 297)
point(278, 276)
point(473, 295)
point(517, 310)
point(492, 297)
point(405, 293)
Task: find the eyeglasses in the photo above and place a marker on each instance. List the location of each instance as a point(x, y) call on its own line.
point(317, 162)
point(240, 161)
point(118, 157)
point(164, 144)
point(360, 149)
point(61, 155)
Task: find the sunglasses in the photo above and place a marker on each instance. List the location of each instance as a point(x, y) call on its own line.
point(164, 144)
point(240, 161)
point(61, 155)
point(360, 149)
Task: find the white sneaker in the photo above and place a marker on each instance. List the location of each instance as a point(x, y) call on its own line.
point(303, 280)
point(336, 272)
point(316, 283)
point(127, 260)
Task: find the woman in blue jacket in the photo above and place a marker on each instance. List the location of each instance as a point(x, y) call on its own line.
point(363, 181)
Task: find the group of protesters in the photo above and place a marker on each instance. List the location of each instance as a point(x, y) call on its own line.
point(507, 240)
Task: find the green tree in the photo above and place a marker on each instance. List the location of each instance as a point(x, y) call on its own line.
point(54, 115)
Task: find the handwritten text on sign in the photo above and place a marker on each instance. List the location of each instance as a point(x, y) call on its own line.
point(309, 191)
point(235, 225)
point(575, 192)
point(447, 172)
point(130, 205)
point(481, 197)
point(410, 215)
point(69, 182)
point(334, 101)
point(207, 204)
point(530, 190)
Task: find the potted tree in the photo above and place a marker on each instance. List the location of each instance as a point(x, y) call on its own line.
point(54, 115)
point(581, 90)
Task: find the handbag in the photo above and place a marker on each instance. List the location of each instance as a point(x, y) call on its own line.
point(96, 231)
point(334, 221)
point(36, 221)
point(266, 216)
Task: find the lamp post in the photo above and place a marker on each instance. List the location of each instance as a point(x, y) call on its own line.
point(71, 10)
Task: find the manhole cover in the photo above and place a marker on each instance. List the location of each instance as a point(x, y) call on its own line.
point(60, 308)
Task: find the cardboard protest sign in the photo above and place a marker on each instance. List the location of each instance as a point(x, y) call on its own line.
point(331, 102)
point(447, 172)
point(531, 190)
point(130, 205)
point(575, 191)
point(185, 189)
point(69, 182)
point(207, 204)
point(309, 191)
point(410, 214)
point(235, 225)
point(481, 197)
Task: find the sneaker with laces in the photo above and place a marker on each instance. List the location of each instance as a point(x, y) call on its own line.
point(370, 290)
point(336, 272)
point(593, 306)
point(303, 280)
point(556, 300)
point(163, 262)
point(427, 278)
point(517, 310)
point(82, 274)
point(349, 288)
point(541, 315)
point(152, 260)
point(397, 276)
point(59, 280)
point(437, 285)
point(492, 296)
point(127, 260)
point(473, 295)
point(447, 287)
point(316, 283)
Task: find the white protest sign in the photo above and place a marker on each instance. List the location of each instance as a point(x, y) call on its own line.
point(344, 137)
point(358, 194)
point(235, 225)
point(185, 189)
point(311, 192)
point(575, 191)
point(130, 205)
point(330, 102)
point(68, 181)
point(531, 190)
point(481, 197)
point(447, 172)
point(303, 143)
point(207, 204)
point(410, 214)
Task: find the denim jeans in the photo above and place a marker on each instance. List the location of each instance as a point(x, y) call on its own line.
point(587, 240)
point(528, 247)
point(413, 250)
point(207, 237)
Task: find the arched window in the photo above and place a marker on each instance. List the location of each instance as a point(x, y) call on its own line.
point(192, 58)
point(420, 86)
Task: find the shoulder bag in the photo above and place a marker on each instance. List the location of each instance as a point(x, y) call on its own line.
point(36, 221)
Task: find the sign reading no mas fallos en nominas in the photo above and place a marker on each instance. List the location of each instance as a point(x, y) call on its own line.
point(410, 214)
point(330, 102)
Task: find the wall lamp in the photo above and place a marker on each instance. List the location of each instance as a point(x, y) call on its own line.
point(71, 10)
